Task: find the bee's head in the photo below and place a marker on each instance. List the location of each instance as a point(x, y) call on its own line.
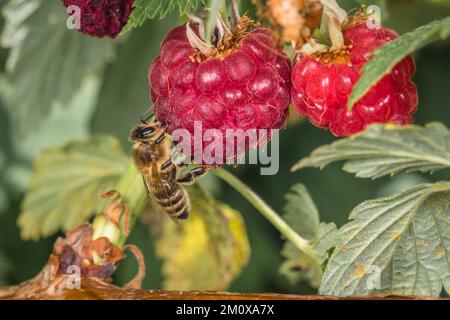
point(147, 133)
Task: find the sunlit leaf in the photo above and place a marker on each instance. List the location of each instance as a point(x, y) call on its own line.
point(387, 150)
point(64, 189)
point(302, 215)
point(151, 9)
point(47, 61)
point(395, 245)
point(387, 56)
point(208, 250)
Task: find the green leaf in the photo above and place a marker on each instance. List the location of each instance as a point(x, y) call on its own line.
point(394, 245)
point(387, 56)
point(63, 123)
point(302, 215)
point(387, 150)
point(208, 250)
point(47, 61)
point(64, 189)
point(299, 266)
point(151, 9)
point(301, 212)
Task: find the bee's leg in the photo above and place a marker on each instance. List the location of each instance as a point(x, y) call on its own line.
point(191, 176)
point(147, 116)
point(169, 169)
point(166, 165)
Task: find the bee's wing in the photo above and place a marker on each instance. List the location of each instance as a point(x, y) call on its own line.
point(162, 186)
point(156, 208)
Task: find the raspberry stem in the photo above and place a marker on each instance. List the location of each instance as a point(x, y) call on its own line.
point(217, 32)
point(211, 21)
point(273, 217)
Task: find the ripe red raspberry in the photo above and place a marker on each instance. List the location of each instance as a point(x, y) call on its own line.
point(322, 84)
point(102, 18)
point(244, 86)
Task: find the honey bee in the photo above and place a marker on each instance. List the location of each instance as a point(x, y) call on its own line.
point(153, 157)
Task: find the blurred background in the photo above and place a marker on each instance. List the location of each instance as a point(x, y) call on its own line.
point(112, 92)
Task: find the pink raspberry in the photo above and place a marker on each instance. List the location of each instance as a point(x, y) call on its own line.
point(102, 18)
point(244, 87)
point(322, 84)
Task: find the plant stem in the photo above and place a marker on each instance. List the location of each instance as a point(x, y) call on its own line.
point(211, 21)
point(132, 190)
point(273, 217)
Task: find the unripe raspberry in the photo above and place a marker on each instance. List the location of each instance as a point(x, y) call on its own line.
point(245, 86)
point(322, 83)
point(102, 18)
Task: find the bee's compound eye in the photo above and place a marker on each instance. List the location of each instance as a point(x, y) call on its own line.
point(146, 132)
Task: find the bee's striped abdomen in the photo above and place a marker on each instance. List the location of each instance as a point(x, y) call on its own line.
point(173, 199)
point(171, 196)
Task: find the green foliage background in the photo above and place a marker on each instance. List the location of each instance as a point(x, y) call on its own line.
point(111, 98)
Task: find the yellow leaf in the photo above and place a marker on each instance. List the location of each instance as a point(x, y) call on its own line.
point(208, 250)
